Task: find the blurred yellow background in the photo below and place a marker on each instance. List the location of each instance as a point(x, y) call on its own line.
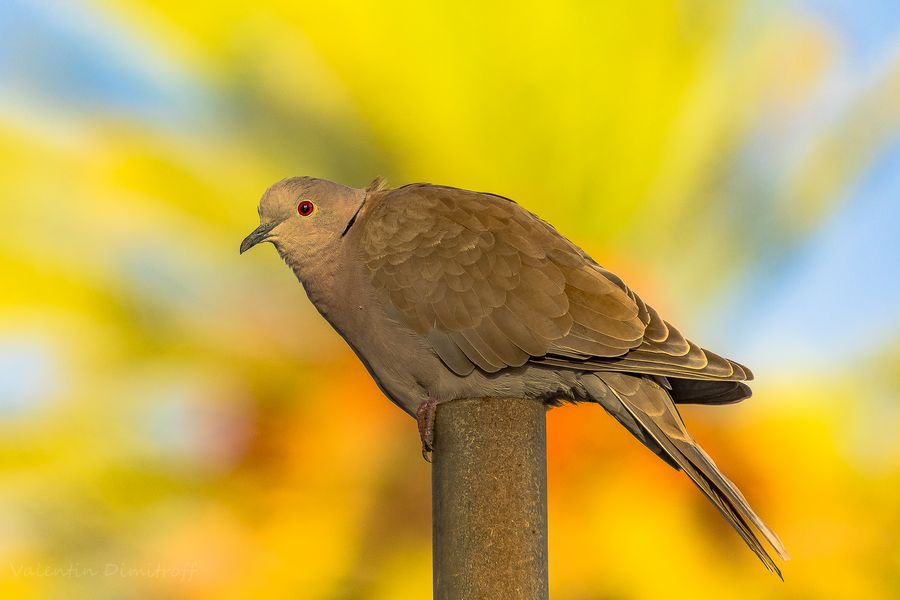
point(177, 421)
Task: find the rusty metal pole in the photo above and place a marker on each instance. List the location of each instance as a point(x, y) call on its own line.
point(489, 500)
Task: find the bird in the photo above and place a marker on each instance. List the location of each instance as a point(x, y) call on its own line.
point(445, 293)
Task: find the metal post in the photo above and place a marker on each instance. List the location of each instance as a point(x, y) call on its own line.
point(489, 500)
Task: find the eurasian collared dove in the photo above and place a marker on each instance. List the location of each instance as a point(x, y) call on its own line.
point(445, 293)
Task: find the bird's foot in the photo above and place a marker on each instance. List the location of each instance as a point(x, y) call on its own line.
point(425, 419)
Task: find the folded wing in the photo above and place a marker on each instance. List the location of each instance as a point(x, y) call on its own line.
point(492, 286)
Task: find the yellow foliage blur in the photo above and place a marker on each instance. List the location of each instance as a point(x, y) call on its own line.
point(176, 421)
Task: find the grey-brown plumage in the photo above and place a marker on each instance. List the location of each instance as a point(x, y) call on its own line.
point(445, 293)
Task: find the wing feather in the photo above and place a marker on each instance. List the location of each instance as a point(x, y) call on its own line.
point(490, 285)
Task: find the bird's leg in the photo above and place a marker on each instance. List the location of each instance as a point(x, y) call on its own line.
point(425, 419)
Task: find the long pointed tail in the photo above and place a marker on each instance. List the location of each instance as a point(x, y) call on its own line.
point(652, 408)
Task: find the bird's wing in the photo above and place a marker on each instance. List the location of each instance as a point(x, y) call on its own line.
point(662, 351)
point(489, 284)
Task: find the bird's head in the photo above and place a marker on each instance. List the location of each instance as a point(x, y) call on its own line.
point(304, 215)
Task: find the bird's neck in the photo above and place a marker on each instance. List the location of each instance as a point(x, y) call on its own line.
point(320, 274)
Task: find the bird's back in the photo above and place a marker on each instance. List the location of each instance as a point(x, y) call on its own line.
point(492, 286)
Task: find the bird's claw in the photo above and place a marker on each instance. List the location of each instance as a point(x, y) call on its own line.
point(425, 420)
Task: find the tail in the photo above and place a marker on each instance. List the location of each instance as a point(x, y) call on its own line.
point(647, 410)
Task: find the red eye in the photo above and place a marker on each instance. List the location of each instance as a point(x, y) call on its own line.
point(305, 208)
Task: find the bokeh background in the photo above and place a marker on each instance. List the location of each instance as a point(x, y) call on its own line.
point(177, 421)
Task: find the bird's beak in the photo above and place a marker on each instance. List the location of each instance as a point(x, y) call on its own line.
point(256, 236)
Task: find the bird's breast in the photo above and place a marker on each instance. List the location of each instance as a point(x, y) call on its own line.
point(396, 357)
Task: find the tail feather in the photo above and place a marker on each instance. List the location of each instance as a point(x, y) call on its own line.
point(696, 391)
point(652, 407)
